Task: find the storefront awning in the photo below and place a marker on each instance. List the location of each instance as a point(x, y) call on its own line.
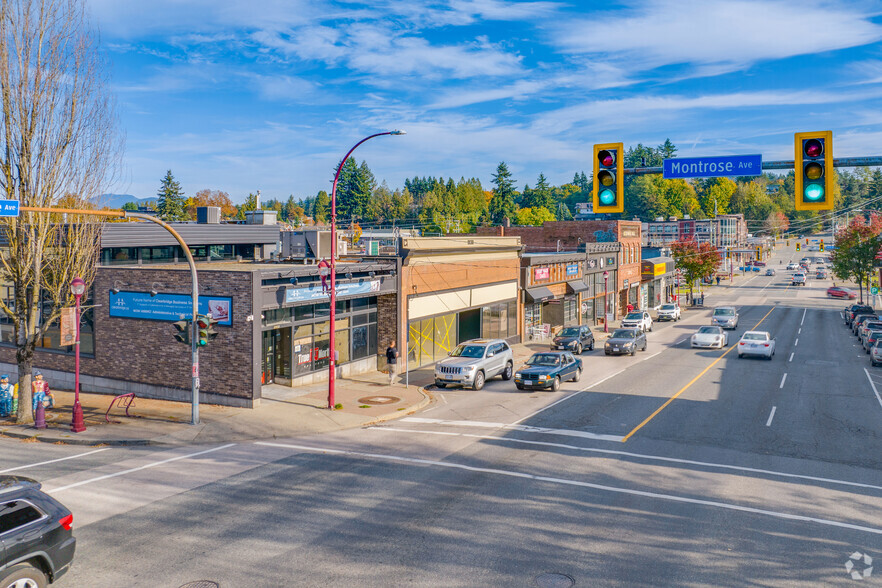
point(540, 294)
point(577, 286)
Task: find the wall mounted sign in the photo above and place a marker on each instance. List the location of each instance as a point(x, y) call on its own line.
point(168, 307)
point(542, 273)
point(316, 292)
point(572, 269)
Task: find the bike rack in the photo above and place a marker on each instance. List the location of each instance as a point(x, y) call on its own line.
point(125, 400)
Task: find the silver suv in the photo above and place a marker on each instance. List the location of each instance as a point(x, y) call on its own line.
point(473, 362)
point(726, 317)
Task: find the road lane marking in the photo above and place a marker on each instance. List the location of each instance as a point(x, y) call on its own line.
point(33, 465)
point(137, 469)
point(771, 416)
point(799, 332)
point(804, 310)
point(875, 391)
point(618, 452)
point(795, 343)
point(515, 427)
point(567, 397)
point(791, 356)
point(783, 378)
point(576, 483)
point(686, 387)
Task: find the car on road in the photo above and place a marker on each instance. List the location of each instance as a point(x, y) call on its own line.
point(759, 264)
point(821, 275)
point(798, 279)
point(639, 320)
point(574, 339)
point(854, 310)
point(668, 312)
point(840, 292)
point(759, 343)
point(712, 337)
point(871, 337)
point(770, 272)
point(547, 369)
point(474, 362)
point(725, 316)
point(36, 535)
point(876, 354)
point(792, 266)
point(624, 341)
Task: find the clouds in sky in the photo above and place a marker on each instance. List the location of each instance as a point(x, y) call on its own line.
point(241, 95)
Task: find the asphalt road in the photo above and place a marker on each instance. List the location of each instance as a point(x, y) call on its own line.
point(673, 467)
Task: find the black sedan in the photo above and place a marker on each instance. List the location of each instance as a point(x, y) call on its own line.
point(574, 339)
point(624, 341)
point(547, 369)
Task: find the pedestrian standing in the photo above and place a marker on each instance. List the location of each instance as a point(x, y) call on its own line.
point(718, 280)
point(6, 392)
point(392, 361)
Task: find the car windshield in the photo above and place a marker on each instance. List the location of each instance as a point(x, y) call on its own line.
point(709, 331)
point(724, 312)
point(754, 337)
point(624, 334)
point(569, 332)
point(469, 351)
point(548, 359)
point(668, 307)
point(635, 315)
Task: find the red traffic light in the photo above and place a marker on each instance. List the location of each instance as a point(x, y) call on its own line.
point(202, 321)
point(606, 158)
point(813, 148)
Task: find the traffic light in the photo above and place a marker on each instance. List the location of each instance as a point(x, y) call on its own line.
point(183, 332)
point(609, 178)
point(822, 245)
point(728, 254)
point(797, 246)
point(206, 330)
point(814, 170)
point(806, 241)
point(788, 242)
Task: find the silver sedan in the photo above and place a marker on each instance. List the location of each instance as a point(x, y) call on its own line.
point(710, 338)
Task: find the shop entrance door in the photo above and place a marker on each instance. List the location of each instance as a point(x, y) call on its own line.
point(268, 363)
point(469, 326)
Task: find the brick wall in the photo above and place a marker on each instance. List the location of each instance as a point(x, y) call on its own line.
point(387, 323)
point(142, 355)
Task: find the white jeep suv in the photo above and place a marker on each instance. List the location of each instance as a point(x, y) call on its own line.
point(638, 319)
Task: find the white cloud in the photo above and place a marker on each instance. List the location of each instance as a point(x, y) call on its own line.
point(664, 32)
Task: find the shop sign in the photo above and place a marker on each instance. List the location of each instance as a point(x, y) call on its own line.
point(591, 263)
point(542, 273)
point(316, 292)
point(572, 269)
point(610, 261)
point(168, 307)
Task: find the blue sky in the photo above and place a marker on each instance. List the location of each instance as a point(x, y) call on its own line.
point(269, 94)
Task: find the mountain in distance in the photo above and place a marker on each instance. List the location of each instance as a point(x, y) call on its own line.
point(117, 200)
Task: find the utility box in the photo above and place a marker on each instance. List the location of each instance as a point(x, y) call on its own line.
point(208, 215)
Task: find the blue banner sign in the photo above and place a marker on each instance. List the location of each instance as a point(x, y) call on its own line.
point(572, 269)
point(169, 307)
point(9, 207)
point(316, 292)
point(712, 167)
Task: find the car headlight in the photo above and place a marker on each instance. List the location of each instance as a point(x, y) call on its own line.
point(518, 375)
point(719, 340)
point(543, 377)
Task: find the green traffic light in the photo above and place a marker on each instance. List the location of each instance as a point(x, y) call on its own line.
point(607, 197)
point(813, 192)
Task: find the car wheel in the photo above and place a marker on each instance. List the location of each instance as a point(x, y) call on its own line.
point(479, 381)
point(23, 576)
point(591, 346)
point(650, 327)
point(578, 349)
point(519, 386)
point(634, 350)
point(606, 352)
point(555, 385)
point(507, 372)
point(578, 375)
point(437, 385)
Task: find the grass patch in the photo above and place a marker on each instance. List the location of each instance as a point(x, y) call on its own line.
point(364, 406)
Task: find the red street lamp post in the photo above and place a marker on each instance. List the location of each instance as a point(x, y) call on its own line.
point(332, 354)
point(605, 303)
point(77, 288)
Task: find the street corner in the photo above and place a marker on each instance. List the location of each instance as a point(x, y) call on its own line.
point(411, 400)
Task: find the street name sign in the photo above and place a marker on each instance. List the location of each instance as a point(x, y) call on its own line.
point(712, 167)
point(9, 207)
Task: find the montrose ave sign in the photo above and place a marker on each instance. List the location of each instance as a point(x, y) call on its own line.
point(711, 167)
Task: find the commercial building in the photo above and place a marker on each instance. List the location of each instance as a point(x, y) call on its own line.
point(658, 281)
point(725, 230)
point(553, 286)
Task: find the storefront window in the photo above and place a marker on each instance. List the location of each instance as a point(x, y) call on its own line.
point(444, 335)
point(587, 310)
point(302, 355)
point(359, 342)
point(304, 312)
point(320, 351)
point(341, 344)
point(276, 316)
point(571, 310)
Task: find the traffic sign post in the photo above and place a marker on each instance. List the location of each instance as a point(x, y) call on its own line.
point(9, 208)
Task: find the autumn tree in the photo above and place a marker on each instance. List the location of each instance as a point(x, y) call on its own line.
point(58, 143)
point(217, 198)
point(857, 245)
point(695, 260)
point(776, 224)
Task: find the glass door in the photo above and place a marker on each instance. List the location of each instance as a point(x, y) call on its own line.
point(268, 363)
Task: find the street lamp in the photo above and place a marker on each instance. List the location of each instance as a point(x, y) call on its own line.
point(77, 288)
point(332, 355)
point(605, 303)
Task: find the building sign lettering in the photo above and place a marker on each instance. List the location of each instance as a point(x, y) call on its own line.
point(542, 273)
point(572, 269)
point(169, 307)
point(316, 292)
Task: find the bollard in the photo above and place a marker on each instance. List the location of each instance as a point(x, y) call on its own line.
point(40, 416)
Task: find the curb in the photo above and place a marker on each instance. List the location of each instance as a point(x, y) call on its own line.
point(427, 399)
point(42, 438)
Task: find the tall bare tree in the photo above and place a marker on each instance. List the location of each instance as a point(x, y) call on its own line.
point(58, 145)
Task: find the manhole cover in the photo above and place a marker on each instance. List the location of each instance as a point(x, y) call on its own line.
point(553, 580)
point(379, 399)
point(202, 584)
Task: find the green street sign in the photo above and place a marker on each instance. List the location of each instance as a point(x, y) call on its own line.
point(874, 290)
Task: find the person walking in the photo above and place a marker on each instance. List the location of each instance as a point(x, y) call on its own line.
point(392, 361)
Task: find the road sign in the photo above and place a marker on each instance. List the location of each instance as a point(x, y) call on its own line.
point(712, 167)
point(9, 207)
point(874, 290)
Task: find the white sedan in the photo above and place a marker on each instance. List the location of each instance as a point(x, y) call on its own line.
point(710, 338)
point(757, 343)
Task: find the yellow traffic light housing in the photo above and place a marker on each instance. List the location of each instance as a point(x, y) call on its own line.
point(609, 178)
point(813, 164)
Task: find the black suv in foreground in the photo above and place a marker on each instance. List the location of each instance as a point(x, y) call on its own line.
point(36, 541)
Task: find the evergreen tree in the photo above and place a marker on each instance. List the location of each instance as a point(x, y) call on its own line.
point(171, 203)
point(354, 188)
point(321, 207)
point(502, 204)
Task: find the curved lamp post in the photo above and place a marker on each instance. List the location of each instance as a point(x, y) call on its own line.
point(77, 288)
point(332, 353)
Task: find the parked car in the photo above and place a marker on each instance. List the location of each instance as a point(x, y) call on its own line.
point(759, 343)
point(875, 354)
point(668, 312)
point(474, 362)
point(710, 338)
point(798, 279)
point(37, 533)
point(547, 369)
point(725, 316)
point(856, 310)
point(860, 320)
point(867, 326)
point(870, 339)
point(639, 319)
point(840, 292)
point(574, 339)
point(625, 341)
point(770, 272)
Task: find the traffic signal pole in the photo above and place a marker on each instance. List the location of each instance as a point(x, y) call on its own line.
point(872, 161)
point(194, 335)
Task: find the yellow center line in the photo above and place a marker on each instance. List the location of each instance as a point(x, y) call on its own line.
point(686, 387)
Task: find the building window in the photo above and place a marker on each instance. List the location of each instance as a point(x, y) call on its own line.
point(245, 251)
point(277, 316)
point(119, 256)
point(158, 254)
point(51, 339)
point(571, 310)
point(220, 252)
